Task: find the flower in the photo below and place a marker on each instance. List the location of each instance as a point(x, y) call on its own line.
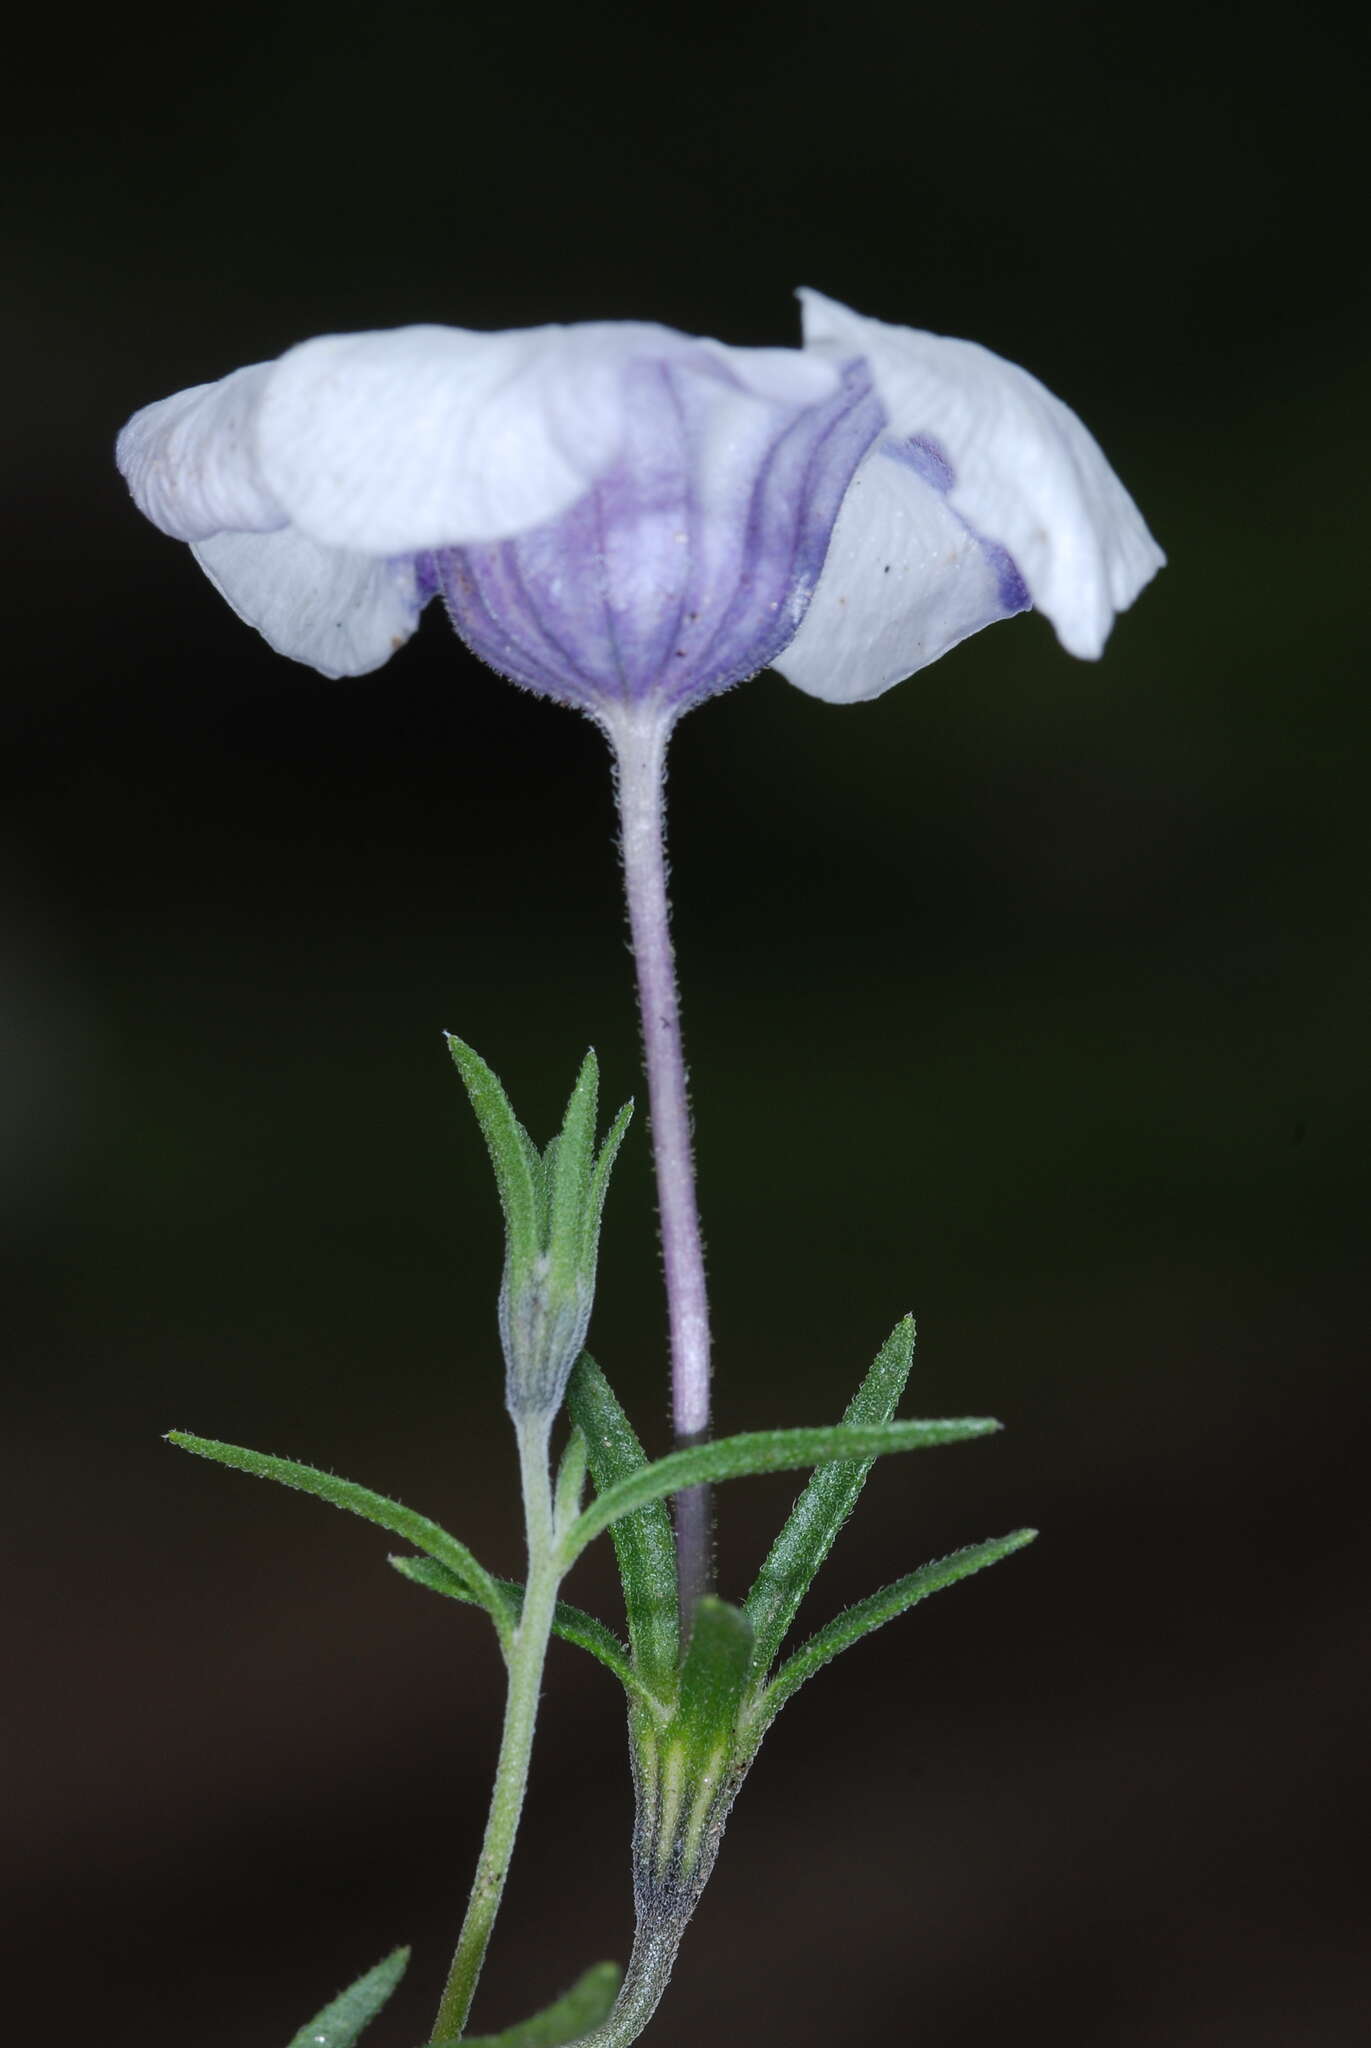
point(618, 515)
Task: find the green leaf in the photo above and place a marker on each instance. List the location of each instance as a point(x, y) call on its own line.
point(825, 1504)
point(572, 1624)
point(541, 1166)
point(856, 1622)
point(509, 1146)
point(587, 2005)
point(643, 1542)
point(339, 2024)
point(599, 1180)
point(763, 1450)
point(715, 1671)
point(571, 1480)
point(372, 1507)
point(569, 1175)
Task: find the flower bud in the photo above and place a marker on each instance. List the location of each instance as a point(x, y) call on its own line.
point(553, 1202)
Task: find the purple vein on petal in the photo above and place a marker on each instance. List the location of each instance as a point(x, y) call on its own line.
point(931, 463)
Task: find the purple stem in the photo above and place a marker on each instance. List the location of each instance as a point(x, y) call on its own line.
point(639, 738)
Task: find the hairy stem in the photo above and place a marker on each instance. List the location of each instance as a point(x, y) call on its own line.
point(527, 1656)
point(639, 738)
point(649, 1970)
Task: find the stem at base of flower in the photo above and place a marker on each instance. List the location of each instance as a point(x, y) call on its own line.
point(639, 739)
point(516, 1743)
point(649, 1971)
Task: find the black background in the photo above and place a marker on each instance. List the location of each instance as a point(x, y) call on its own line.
point(1031, 997)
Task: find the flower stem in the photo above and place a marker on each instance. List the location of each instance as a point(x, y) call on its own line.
point(649, 1969)
point(639, 739)
point(526, 1660)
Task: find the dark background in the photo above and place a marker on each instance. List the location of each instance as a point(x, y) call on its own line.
point(1032, 997)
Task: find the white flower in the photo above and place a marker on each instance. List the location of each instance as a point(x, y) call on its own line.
point(618, 513)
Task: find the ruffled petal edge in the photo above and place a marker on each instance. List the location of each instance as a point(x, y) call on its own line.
point(1026, 473)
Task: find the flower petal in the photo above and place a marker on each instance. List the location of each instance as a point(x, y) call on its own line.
point(1025, 472)
point(689, 562)
point(434, 436)
point(344, 613)
point(191, 463)
point(904, 580)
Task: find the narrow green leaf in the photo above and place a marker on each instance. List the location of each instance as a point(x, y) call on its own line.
point(571, 1480)
point(763, 1450)
point(540, 1169)
point(856, 1622)
point(825, 1504)
point(643, 1542)
point(587, 2005)
point(340, 2023)
point(599, 1179)
point(569, 1176)
point(714, 1673)
point(508, 1144)
point(572, 1624)
point(372, 1507)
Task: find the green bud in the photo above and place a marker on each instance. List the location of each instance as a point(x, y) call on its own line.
point(553, 1202)
point(689, 1766)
